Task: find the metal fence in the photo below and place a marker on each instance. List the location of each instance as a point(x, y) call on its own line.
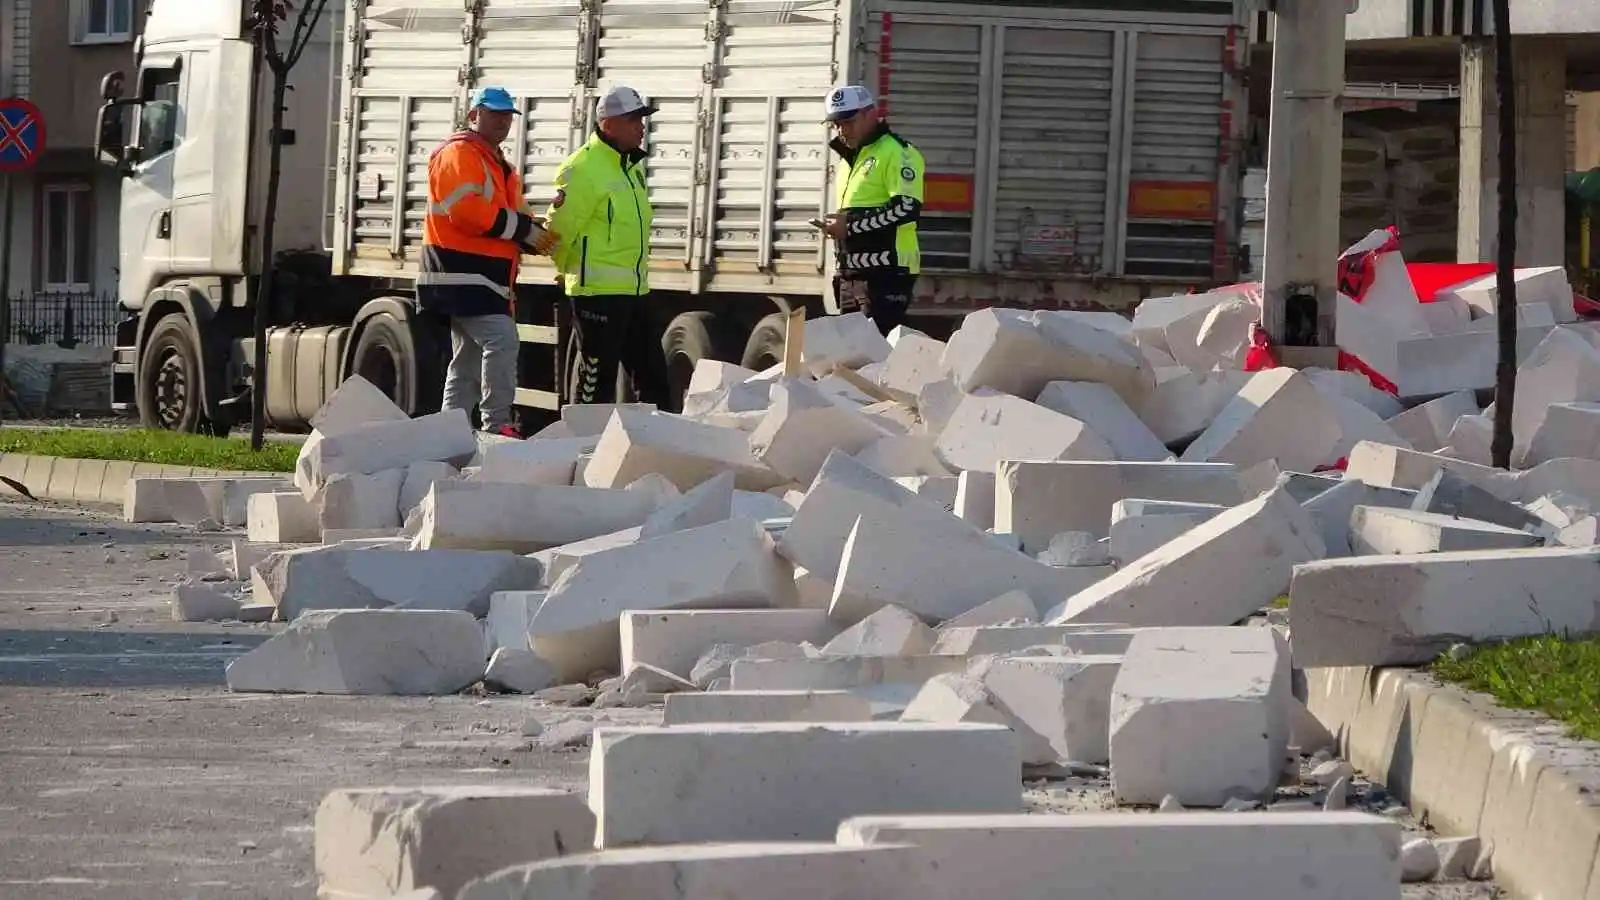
point(68, 319)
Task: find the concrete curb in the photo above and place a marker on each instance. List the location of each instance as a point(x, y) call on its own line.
point(1470, 766)
point(94, 480)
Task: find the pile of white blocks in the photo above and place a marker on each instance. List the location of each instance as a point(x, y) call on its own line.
point(886, 583)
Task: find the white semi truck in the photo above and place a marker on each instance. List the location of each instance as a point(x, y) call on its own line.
point(1080, 154)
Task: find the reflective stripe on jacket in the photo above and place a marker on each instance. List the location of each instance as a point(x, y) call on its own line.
point(602, 214)
point(473, 231)
point(880, 193)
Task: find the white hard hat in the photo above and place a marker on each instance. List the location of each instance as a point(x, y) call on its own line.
point(846, 101)
point(624, 101)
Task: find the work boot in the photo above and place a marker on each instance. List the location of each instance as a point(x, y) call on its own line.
point(509, 431)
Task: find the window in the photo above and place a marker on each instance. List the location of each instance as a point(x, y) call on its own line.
point(158, 117)
point(66, 212)
point(103, 21)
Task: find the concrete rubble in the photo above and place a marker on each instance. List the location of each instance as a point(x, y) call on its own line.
point(887, 580)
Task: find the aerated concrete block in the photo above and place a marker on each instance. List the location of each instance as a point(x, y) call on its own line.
point(1545, 286)
point(1108, 416)
point(1136, 531)
point(1012, 606)
point(1330, 511)
point(714, 374)
point(686, 452)
point(1377, 531)
point(973, 641)
point(1356, 423)
point(1355, 386)
point(1038, 500)
point(1427, 425)
point(444, 436)
point(366, 651)
point(199, 602)
point(833, 673)
point(803, 426)
point(1406, 610)
point(1568, 430)
point(354, 403)
point(890, 631)
point(510, 614)
point(913, 363)
point(1279, 415)
point(985, 430)
point(419, 480)
point(1304, 855)
point(1180, 407)
point(518, 671)
point(558, 560)
point(975, 499)
point(346, 577)
point(674, 640)
point(771, 871)
point(523, 518)
point(1564, 368)
point(766, 706)
point(1219, 573)
point(781, 781)
point(588, 420)
point(1020, 352)
point(728, 565)
point(538, 461)
point(1200, 714)
point(903, 455)
point(373, 842)
point(347, 502)
point(1381, 465)
point(282, 517)
point(1063, 701)
point(1444, 364)
point(709, 502)
point(850, 340)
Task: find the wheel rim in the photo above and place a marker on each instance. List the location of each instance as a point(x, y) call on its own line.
point(171, 391)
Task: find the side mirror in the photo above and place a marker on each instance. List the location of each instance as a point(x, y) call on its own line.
point(111, 86)
point(110, 143)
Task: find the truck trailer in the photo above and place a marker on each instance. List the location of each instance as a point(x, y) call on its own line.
point(1080, 154)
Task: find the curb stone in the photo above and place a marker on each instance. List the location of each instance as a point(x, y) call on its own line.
point(94, 480)
point(1471, 766)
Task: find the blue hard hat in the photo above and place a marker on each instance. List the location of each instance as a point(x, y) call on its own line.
point(494, 99)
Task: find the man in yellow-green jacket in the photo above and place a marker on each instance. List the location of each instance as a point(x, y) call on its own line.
point(601, 212)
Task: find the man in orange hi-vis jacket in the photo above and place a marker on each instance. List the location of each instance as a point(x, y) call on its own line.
point(477, 228)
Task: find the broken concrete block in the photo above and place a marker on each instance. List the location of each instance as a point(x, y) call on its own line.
point(198, 602)
point(1181, 407)
point(804, 426)
point(1038, 500)
point(354, 403)
point(346, 577)
point(772, 871)
point(590, 419)
point(547, 461)
point(759, 506)
point(1074, 549)
point(709, 502)
point(937, 489)
point(938, 401)
point(419, 479)
point(1431, 366)
point(985, 640)
point(697, 783)
point(1355, 386)
point(1107, 415)
point(714, 374)
point(1020, 352)
point(282, 517)
point(850, 340)
point(1279, 415)
point(510, 613)
point(1336, 856)
point(766, 706)
point(686, 452)
point(1449, 494)
point(190, 501)
point(1569, 430)
point(812, 592)
point(1139, 526)
point(1539, 286)
point(960, 697)
point(360, 501)
point(1427, 426)
point(1377, 531)
point(1229, 684)
point(974, 504)
point(1382, 465)
point(645, 684)
point(903, 455)
point(1011, 607)
point(1153, 314)
point(886, 562)
point(985, 430)
point(1219, 573)
point(1214, 338)
point(372, 842)
point(1405, 610)
point(716, 663)
point(558, 560)
point(366, 651)
point(832, 673)
point(891, 631)
point(1330, 511)
point(674, 640)
point(445, 436)
point(1357, 423)
point(1471, 438)
point(727, 565)
point(913, 363)
point(523, 517)
point(518, 671)
point(1063, 700)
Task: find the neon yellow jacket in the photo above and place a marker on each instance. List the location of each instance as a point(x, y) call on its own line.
point(602, 214)
point(880, 193)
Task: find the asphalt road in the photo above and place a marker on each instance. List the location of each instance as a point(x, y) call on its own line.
point(128, 771)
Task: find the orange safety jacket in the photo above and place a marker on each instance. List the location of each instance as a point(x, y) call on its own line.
point(474, 232)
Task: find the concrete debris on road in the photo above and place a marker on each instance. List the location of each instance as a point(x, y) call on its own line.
point(881, 584)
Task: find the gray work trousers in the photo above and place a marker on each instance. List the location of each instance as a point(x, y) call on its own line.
point(483, 368)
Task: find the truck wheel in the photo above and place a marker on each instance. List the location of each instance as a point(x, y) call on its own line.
point(169, 377)
point(387, 355)
point(689, 338)
point(765, 347)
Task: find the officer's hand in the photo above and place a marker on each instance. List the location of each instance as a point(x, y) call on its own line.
point(833, 225)
point(541, 240)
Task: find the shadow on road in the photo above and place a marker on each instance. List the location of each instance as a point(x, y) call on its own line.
point(84, 532)
point(37, 658)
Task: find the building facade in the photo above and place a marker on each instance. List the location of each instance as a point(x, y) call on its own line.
point(63, 225)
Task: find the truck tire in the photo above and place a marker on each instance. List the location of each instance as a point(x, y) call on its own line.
point(400, 361)
point(764, 349)
point(169, 377)
point(689, 338)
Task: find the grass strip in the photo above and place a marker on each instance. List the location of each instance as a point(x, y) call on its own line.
point(1557, 676)
point(140, 445)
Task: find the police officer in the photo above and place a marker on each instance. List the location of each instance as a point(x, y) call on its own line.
point(477, 227)
point(880, 199)
point(602, 215)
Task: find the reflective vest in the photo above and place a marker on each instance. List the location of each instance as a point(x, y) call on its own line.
point(872, 177)
point(472, 233)
point(602, 214)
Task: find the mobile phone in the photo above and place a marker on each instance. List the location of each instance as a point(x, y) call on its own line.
point(817, 223)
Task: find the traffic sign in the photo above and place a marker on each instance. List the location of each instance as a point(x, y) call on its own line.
point(21, 134)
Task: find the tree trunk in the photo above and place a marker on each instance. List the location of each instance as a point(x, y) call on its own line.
point(1505, 378)
point(269, 268)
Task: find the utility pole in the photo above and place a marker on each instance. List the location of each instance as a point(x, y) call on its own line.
point(1304, 156)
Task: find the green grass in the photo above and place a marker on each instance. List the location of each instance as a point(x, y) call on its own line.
point(1557, 676)
point(1281, 602)
point(139, 445)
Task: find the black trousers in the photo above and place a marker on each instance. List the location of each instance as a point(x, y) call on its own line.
point(883, 296)
point(608, 332)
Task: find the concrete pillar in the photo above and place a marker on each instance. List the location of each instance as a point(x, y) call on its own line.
point(1541, 73)
point(1588, 156)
